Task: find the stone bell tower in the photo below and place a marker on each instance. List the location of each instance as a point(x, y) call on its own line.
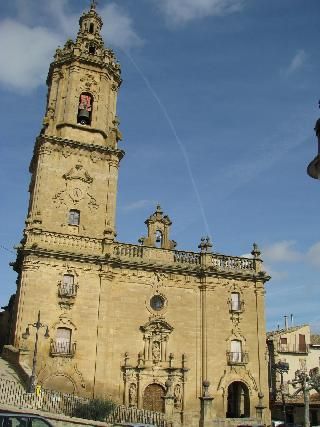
point(74, 173)
point(75, 163)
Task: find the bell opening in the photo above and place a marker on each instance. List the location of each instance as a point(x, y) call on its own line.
point(85, 109)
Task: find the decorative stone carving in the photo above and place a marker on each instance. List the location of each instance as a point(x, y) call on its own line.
point(78, 172)
point(237, 373)
point(156, 354)
point(133, 395)
point(94, 156)
point(89, 83)
point(177, 396)
point(93, 205)
point(156, 334)
point(66, 152)
point(59, 199)
point(76, 194)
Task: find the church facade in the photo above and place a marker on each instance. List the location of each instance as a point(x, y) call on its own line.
point(149, 326)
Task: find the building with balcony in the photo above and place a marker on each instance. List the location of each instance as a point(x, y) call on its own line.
point(301, 350)
point(145, 324)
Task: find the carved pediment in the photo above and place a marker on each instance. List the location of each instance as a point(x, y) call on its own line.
point(157, 326)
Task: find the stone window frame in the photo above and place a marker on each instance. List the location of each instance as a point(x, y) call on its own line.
point(236, 290)
point(244, 352)
point(74, 216)
point(154, 312)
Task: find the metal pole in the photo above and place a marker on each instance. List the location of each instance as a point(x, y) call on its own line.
point(34, 362)
point(306, 396)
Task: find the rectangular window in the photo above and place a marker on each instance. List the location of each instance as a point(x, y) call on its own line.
point(74, 217)
point(283, 344)
point(302, 343)
point(236, 351)
point(235, 301)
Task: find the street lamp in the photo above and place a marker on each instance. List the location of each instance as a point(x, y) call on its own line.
point(282, 367)
point(38, 325)
point(314, 166)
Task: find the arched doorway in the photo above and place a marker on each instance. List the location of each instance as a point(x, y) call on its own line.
point(153, 398)
point(238, 401)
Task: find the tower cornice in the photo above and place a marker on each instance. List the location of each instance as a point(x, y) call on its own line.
point(43, 140)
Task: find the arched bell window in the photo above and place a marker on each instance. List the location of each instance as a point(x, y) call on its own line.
point(85, 109)
point(91, 28)
point(159, 239)
point(92, 49)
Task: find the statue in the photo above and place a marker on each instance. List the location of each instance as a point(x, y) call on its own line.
point(177, 396)
point(156, 351)
point(132, 395)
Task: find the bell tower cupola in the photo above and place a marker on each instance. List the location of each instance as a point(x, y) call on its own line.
point(83, 81)
point(91, 22)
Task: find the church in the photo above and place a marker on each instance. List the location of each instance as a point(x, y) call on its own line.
point(145, 324)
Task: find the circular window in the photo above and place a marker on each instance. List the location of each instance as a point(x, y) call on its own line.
point(157, 302)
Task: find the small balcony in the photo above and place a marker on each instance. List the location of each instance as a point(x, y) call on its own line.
point(62, 348)
point(67, 290)
point(293, 348)
point(237, 358)
point(236, 306)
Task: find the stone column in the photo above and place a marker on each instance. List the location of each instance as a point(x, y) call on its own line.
point(260, 409)
point(110, 227)
point(205, 262)
point(169, 401)
point(39, 172)
point(206, 406)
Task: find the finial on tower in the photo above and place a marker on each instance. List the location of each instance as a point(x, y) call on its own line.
point(94, 4)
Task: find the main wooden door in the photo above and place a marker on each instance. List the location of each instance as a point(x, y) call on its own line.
point(153, 398)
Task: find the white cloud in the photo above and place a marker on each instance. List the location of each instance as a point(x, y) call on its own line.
point(297, 62)
point(28, 42)
point(118, 27)
point(26, 53)
point(313, 254)
point(282, 251)
point(181, 11)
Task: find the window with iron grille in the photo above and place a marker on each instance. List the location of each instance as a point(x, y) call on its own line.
point(236, 351)
point(67, 286)
point(63, 341)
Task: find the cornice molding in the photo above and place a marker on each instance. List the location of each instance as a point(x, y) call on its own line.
point(42, 139)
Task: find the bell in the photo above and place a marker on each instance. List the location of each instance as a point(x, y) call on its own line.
point(84, 117)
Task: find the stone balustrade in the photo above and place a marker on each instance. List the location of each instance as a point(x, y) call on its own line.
point(219, 262)
point(231, 263)
point(183, 257)
point(128, 251)
point(140, 253)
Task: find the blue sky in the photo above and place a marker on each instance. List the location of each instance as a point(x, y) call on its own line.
point(217, 110)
